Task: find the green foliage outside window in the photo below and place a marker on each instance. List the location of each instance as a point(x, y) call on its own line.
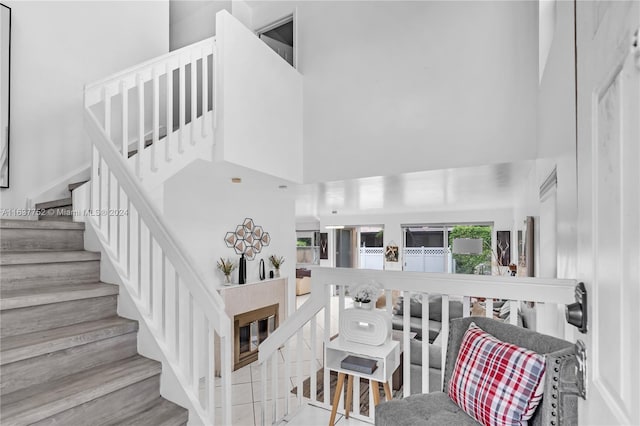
point(468, 263)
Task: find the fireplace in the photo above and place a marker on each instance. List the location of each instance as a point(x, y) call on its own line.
point(249, 330)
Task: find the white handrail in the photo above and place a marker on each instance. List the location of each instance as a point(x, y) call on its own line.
point(497, 286)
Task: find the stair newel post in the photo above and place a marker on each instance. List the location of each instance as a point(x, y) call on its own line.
point(156, 119)
point(139, 162)
point(194, 97)
point(181, 104)
point(124, 91)
point(205, 90)
point(169, 106)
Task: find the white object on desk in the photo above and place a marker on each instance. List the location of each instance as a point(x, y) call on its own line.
point(368, 327)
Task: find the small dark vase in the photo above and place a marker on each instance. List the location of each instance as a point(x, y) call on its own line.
point(261, 270)
point(242, 270)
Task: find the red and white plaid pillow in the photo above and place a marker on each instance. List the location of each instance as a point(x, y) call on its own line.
point(496, 383)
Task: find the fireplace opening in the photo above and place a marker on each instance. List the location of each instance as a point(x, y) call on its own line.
point(250, 329)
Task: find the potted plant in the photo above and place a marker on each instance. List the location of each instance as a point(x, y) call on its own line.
point(226, 267)
point(364, 295)
point(276, 261)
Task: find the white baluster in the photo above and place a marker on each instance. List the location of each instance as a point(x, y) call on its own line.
point(327, 337)
point(466, 306)
point(488, 307)
point(406, 328)
point(196, 321)
point(106, 99)
point(181, 105)
point(194, 98)
point(513, 311)
point(312, 365)
point(124, 92)
point(226, 351)
point(184, 330)
point(263, 378)
point(104, 197)
point(156, 120)
point(145, 268)
point(286, 352)
point(167, 141)
point(274, 387)
point(139, 155)
point(95, 182)
point(215, 87)
point(211, 380)
point(157, 285)
point(425, 343)
point(445, 334)
point(205, 92)
point(299, 348)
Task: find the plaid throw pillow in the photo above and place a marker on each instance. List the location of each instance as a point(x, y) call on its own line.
point(496, 383)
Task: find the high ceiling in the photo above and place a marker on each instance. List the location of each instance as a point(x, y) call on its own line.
point(481, 187)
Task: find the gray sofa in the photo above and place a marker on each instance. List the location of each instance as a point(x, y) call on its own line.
point(559, 404)
point(435, 315)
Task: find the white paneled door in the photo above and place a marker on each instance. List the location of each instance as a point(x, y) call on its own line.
point(608, 76)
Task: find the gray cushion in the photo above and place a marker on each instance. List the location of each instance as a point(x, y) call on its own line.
point(432, 409)
point(435, 354)
point(415, 324)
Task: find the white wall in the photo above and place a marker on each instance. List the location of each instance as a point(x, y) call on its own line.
point(502, 220)
point(202, 221)
point(259, 104)
point(413, 85)
point(56, 48)
point(192, 21)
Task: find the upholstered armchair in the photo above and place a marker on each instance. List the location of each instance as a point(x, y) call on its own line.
point(559, 399)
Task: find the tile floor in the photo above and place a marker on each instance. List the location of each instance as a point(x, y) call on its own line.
point(247, 390)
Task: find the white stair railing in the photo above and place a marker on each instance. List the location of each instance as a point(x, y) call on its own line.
point(159, 112)
point(186, 320)
point(301, 338)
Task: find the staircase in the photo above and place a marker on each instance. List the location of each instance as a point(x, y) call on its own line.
point(65, 356)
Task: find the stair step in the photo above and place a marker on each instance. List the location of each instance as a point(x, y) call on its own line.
point(163, 413)
point(74, 185)
point(51, 236)
point(38, 402)
point(14, 322)
point(55, 365)
point(25, 346)
point(127, 401)
point(27, 297)
point(48, 274)
point(25, 257)
point(63, 202)
point(34, 224)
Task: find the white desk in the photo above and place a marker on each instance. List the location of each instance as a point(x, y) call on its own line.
point(387, 357)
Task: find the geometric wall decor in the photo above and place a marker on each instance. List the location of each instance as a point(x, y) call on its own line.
point(247, 239)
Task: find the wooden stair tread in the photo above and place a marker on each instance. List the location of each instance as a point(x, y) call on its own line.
point(63, 202)
point(163, 413)
point(26, 257)
point(25, 297)
point(24, 346)
point(38, 402)
point(38, 224)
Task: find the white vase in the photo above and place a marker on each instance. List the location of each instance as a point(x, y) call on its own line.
point(363, 305)
point(227, 279)
point(276, 274)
